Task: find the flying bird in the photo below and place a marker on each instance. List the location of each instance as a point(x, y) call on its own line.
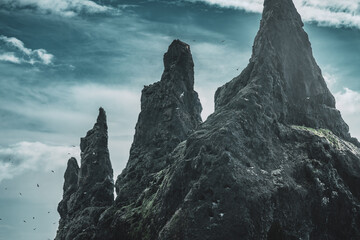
point(24, 221)
point(37, 185)
point(33, 217)
point(52, 171)
point(34, 229)
point(20, 194)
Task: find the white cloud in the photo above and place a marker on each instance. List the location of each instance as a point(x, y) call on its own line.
point(337, 13)
point(68, 8)
point(248, 5)
point(33, 156)
point(13, 50)
point(71, 112)
point(73, 105)
point(330, 79)
point(348, 102)
point(9, 57)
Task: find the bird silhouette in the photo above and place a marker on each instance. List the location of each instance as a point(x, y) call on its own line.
point(24, 221)
point(34, 229)
point(37, 185)
point(52, 171)
point(20, 194)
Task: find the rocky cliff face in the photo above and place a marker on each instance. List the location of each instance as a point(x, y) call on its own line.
point(274, 161)
point(170, 111)
point(88, 190)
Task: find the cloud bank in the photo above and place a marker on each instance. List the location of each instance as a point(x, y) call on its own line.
point(13, 50)
point(348, 102)
point(335, 13)
point(68, 8)
point(24, 156)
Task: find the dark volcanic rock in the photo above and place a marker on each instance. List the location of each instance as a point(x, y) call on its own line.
point(70, 185)
point(170, 111)
point(87, 190)
point(283, 76)
point(274, 161)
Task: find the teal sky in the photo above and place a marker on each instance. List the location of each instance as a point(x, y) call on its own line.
point(62, 60)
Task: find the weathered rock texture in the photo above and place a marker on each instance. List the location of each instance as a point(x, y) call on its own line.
point(170, 111)
point(274, 161)
point(88, 190)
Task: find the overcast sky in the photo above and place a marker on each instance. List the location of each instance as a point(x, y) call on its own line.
point(61, 60)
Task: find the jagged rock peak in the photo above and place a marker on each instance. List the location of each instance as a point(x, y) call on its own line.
point(178, 53)
point(95, 160)
point(281, 9)
point(101, 119)
point(88, 190)
point(71, 176)
point(179, 67)
point(170, 108)
point(170, 112)
point(70, 186)
point(283, 78)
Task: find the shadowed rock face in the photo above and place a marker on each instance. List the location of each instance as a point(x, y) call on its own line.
point(274, 161)
point(88, 190)
point(170, 111)
point(282, 77)
point(70, 185)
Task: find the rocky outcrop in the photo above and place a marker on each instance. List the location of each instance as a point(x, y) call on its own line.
point(283, 76)
point(170, 111)
point(274, 161)
point(88, 190)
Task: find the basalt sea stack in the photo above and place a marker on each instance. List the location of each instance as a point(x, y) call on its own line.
point(274, 161)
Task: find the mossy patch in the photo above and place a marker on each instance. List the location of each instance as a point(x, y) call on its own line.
point(323, 133)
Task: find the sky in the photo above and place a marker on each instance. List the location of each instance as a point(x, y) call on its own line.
point(61, 60)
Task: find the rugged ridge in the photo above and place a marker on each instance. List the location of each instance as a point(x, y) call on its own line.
point(283, 72)
point(170, 111)
point(274, 161)
point(88, 190)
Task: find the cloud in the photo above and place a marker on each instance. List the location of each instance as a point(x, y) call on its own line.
point(348, 102)
point(13, 50)
point(247, 5)
point(67, 8)
point(335, 13)
point(9, 57)
point(35, 156)
point(63, 113)
point(330, 79)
